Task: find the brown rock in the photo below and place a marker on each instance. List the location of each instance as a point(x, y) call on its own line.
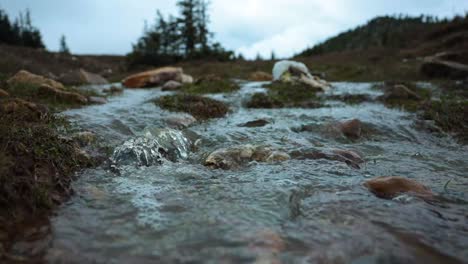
point(260, 76)
point(24, 109)
point(92, 78)
point(436, 68)
point(68, 97)
point(351, 129)
point(156, 77)
point(81, 77)
point(3, 93)
point(390, 187)
point(352, 158)
point(25, 77)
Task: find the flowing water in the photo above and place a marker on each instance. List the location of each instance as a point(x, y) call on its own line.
point(297, 211)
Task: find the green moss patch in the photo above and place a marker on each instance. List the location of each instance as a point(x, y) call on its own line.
point(450, 115)
point(198, 106)
point(281, 95)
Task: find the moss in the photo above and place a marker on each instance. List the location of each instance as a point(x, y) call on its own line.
point(198, 106)
point(351, 99)
point(450, 115)
point(211, 86)
point(39, 175)
point(32, 93)
point(285, 95)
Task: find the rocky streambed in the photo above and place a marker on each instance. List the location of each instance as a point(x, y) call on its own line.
point(262, 185)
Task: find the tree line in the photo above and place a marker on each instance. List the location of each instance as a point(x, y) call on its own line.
point(383, 32)
point(21, 32)
point(176, 38)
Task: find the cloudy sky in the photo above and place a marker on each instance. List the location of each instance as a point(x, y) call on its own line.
point(246, 26)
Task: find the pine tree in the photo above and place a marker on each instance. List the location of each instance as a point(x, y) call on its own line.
point(63, 46)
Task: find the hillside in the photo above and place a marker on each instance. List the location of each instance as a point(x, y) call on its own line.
point(401, 33)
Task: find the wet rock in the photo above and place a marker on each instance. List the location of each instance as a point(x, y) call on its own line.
point(3, 93)
point(260, 76)
point(26, 78)
point(113, 90)
point(82, 77)
point(200, 107)
point(97, 100)
point(398, 92)
point(351, 129)
point(436, 68)
point(255, 123)
point(157, 77)
point(211, 84)
point(297, 72)
point(180, 121)
point(152, 148)
point(171, 86)
point(391, 187)
point(69, 97)
point(262, 100)
point(237, 156)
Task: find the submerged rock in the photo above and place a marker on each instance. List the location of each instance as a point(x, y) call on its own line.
point(180, 121)
point(260, 76)
point(152, 148)
point(236, 156)
point(351, 158)
point(297, 72)
point(26, 78)
point(255, 123)
point(391, 187)
point(156, 77)
point(351, 128)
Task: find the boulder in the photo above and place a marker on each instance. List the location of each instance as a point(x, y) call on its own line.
point(3, 93)
point(260, 76)
point(26, 78)
point(297, 72)
point(391, 187)
point(236, 156)
point(82, 77)
point(437, 68)
point(171, 86)
point(68, 97)
point(156, 77)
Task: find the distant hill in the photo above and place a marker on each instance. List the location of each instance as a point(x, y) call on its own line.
point(389, 32)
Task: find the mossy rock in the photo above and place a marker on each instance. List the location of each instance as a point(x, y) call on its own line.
point(351, 99)
point(404, 95)
point(198, 106)
point(211, 85)
point(282, 94)
point(450, 115)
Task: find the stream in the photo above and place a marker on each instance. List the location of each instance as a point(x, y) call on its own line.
point(297, 211)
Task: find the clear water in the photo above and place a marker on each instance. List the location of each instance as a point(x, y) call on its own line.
point(299, 211)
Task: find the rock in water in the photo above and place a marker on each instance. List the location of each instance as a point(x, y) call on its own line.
point(236, 156)
point(156, 77)
point(152, 148)
point(391, 187)
point(297, 72)
point(27, 78)
point(351, 129)
point(171, 86)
